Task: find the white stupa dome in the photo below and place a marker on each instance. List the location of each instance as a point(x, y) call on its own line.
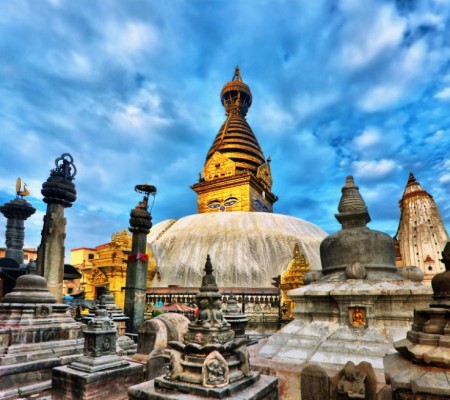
point(247, 249)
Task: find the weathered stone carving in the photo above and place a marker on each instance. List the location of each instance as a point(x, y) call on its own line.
point(215, 371)
point(351, 384)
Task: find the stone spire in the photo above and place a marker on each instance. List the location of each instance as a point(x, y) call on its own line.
point(16, 212)
point(352, 209)
point(421, 233)
point(59, 193)
point(235, 165)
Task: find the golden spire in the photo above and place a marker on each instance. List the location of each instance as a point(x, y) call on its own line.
point(235, 138)
point(235, 176)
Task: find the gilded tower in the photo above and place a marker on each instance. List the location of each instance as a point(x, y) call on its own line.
point(236, 176)
point(421, 234)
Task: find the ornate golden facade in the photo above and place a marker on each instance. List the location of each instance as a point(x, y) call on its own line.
point(235, 177)
point(106, 265)
point(292, 278)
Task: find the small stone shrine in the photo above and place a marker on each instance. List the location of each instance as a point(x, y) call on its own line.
point(100, 372)
point(210, 362)
point(235, 317)
point(357, 306)
point(114, 311)
point(422, 369)
point(36, 335)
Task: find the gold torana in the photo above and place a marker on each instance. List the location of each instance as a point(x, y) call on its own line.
point(292, 278)
point(236, 176)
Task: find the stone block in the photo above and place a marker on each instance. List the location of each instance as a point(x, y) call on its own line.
point(315, 384)
point(156, 366)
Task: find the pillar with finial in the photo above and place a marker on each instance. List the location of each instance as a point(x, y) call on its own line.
point(136, 283)
point(16, 212)
point(59, 193)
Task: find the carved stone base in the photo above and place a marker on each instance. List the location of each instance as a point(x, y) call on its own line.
point(207, 336)
point(255, 387)
point(95, 364)
point(111, 384)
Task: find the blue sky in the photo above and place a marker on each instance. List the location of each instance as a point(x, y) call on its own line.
point(131, 89)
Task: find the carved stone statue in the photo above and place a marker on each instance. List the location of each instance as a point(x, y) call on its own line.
point(351, 384)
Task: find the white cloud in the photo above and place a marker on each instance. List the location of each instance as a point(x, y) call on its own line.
point(444, 178)
point(127, 39)
point(368, 138)
point(443, 94)
point(371, 33)
point(373, 170)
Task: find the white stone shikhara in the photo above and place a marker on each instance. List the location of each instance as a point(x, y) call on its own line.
point(248, 248)
point(421, 233)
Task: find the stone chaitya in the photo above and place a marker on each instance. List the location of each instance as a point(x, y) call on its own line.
point(357, 306)
point(422, 369)
point(36, 335)
point(210, 362)
point(100, 372)
point(235, 317)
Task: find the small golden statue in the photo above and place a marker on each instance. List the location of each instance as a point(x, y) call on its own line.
point(21, 192)
point(358, 318)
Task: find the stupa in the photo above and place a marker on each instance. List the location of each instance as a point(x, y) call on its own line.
point(235, 223)
point(421, 234)
point(36, 335)
point(210, 363)
point(357, 306)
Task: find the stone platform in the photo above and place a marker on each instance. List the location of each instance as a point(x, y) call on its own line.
point(262, 388)
point(69, 383)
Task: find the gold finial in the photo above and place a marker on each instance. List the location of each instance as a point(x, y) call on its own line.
point(19, 192)
point(237, 74)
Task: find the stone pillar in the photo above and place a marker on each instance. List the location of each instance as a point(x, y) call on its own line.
point(59, 192)
point(136, 284)
point(16, 212)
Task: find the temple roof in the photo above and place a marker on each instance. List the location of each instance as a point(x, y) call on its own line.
point(235, 138)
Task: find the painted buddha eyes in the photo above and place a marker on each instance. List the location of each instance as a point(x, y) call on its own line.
point(229, 202)
point(214, 204)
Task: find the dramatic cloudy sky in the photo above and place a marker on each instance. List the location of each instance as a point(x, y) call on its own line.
point(131, 90)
